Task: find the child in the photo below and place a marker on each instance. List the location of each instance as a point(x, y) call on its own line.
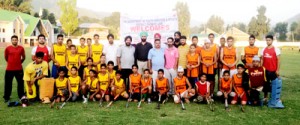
point(238, 83)
point(61, 84)
point(69, 43)
point(111, 71)
point(180, 83)
point(225, 87)
point(74, 83)
point(33, 73)
point(105, 83)
point(87, 69)
point(91, 86)
point(73, 60)
point(257, 78)
point(193, 62)
point(202, 89)
point(118, 87)
point(208, 59)
point(135, 83)
point(83, 52)
point(146, 85)
point(162, 86)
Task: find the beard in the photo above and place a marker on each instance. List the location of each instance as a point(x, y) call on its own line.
point(177, 40)
point(143, 40)
point(41, 43)
point(127, 44)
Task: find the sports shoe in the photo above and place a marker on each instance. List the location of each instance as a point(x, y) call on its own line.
point(24, 105)
point(149, 101)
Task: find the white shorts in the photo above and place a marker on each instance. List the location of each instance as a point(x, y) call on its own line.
point(184, 94)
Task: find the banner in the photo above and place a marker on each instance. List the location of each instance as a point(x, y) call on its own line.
point(164, 24)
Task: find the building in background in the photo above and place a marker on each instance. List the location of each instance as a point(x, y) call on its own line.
point(89, 29)
point(25, 26)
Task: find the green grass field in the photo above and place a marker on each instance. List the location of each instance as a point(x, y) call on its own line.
point(75, 113)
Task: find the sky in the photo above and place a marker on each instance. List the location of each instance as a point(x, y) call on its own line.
point(232, 11)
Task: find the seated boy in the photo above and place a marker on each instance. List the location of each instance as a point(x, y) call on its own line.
point(118, 88)
point(225, 87)
point(257, 80)
point(74, 83)
point(202, 89)
point(181, 91)
point(162, 86)
point(146, 86)
point(135, 84)
point(33, 73)
point(238, 86)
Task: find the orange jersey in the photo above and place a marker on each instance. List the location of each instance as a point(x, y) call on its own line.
point(250, 53)
point(207, 56)
point(180, 84)
point(145, 83)
point(162, 85)
point(192, 60)
point(198, 49)
point(225, 85)
point(238, 84)
point(135, 82)
point(229, 56)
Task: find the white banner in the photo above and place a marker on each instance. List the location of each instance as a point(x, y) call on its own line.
point(164, 24)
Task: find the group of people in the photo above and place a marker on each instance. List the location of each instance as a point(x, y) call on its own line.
point(145, 72)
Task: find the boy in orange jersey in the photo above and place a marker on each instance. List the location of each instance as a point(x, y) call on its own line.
point(180, 87)
point(193, 62)
point(225, 87)
point(229, 57)
point(249, 52)
point(238, 83)
point(135, 84)
point(162, 87)
point(146, 85)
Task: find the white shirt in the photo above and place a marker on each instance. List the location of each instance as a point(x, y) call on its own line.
point(110, 51)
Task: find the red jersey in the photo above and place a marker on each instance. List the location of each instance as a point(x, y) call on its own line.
point(13, 57)
point(257, 77)
point(202, 88)
point(270, 60)
point(45, 50)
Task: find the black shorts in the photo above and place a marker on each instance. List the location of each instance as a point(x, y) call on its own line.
point(136, 96)
point(270, 76)
point(254, 95)
point(210, 77)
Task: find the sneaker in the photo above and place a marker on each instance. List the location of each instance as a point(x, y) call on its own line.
point(85, 100)
point(149, 101)
point(24, 105)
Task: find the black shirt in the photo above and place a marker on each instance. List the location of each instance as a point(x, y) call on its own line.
point(141, 51)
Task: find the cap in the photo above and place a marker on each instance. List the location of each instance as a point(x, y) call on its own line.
point(143, 33)
point(255, 58)
point(206, 41)
point(180, 69)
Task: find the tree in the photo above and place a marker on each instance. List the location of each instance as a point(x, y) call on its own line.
point(45, 14)
point(52, 18)
point(113, 22)
point(241, 26)
point(281, 29)
point(69, 16)
point(293, 28)
point(259, 25)
point(23, 6)
point(215, 23)
point(36, 15)
point(184, 17)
